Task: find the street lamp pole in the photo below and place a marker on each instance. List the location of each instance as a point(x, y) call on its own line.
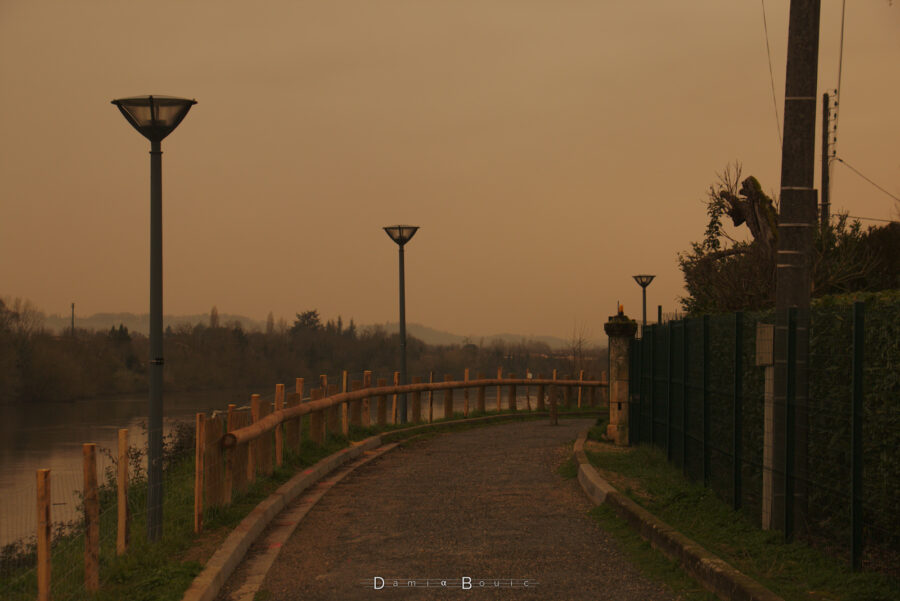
point(155, 117)
point(644, 281)
point(401, 234)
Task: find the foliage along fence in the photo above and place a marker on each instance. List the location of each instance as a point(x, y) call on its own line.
point(215, 462)
point(698, 393)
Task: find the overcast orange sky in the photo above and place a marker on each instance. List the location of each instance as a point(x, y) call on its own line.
point(548, 150)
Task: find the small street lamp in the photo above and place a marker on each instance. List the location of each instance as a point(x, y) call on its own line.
point(401, 234)
point(644, 281)
point(155, 117)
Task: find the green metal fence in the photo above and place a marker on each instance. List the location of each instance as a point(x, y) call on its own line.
point(698, 391)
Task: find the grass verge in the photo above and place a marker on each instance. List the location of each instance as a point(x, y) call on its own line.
point(795, 571)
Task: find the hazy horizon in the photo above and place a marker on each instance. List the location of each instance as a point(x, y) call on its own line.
point(549, 151)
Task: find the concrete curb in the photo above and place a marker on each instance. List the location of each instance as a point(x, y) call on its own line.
point(711, 571)
point(209, 582)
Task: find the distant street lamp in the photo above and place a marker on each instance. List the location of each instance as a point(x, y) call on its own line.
point(401, 234)
point(155, 117)
point(644, 281)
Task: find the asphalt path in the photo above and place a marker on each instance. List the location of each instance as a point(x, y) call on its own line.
point(477, 514)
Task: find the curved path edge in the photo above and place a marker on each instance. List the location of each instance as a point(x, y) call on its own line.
point(228, 556)
point(711, 571)
point(209, 582)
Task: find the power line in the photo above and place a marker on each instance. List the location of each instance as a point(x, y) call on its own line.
point(771, 75)
point(866, 218)
point(856, 171)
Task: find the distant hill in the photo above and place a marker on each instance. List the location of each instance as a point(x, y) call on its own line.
point(141, 323)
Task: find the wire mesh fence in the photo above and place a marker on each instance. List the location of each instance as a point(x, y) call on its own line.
point(702, 390)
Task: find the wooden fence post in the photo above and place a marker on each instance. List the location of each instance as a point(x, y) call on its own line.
point(356, 406)
point(430, 398)
point(91, 519)
point(264, 457)
point(499, 377)
point(448, 398)
point(333, 418)
point(481, 392)
point(345, 406)
point(279, 432)
point(253, 465)
point(213, 468)
point(239, 467)
point(417, 401)
point(540, 394)
point(382, 403)
point(44, 524)
point(580, 388)
point(199, 455)
point(528, 390)
point(511, 403)
point(316, 419)
point(366, 404)
point(228, 484)
point(554, 405)
point(122, 493)
point(292, 426)
point(466, 394)
point(394, 399)
point(298, 387)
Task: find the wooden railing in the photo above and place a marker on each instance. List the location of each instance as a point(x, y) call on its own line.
point(233, 448)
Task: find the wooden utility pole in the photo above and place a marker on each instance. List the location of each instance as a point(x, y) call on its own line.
point(797, 220)
point(825, 214)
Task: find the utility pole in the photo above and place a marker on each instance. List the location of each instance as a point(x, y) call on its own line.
point(825, 215)
point(796, 223)
point(73, 320)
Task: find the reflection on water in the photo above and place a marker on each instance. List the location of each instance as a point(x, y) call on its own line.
point(49, 435)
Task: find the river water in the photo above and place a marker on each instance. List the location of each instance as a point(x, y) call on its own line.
point(49, 436)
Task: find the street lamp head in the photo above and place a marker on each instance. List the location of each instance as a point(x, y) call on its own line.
point(401, 234)
point(643, 280)
point(154, 116)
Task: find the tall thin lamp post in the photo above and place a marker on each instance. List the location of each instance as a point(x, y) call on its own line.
point(644, 281)
point(401, 234)
point(155, 117)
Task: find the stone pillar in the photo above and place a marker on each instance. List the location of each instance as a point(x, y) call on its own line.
point(620, 330)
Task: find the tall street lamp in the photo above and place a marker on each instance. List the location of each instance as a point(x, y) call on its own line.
point(401, 234)
point(155, 117)
point(644, 281)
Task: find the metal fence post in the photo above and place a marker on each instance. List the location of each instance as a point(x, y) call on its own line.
point(651, 383)
point(684, 397)
point(738, 408)
point(669, 327)
point(856, 423)
point(790, 399)
point(705, 400)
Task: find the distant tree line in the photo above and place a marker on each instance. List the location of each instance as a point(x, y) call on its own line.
point(38, 365)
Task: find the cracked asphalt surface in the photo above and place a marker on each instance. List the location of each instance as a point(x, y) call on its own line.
point(485, 503)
